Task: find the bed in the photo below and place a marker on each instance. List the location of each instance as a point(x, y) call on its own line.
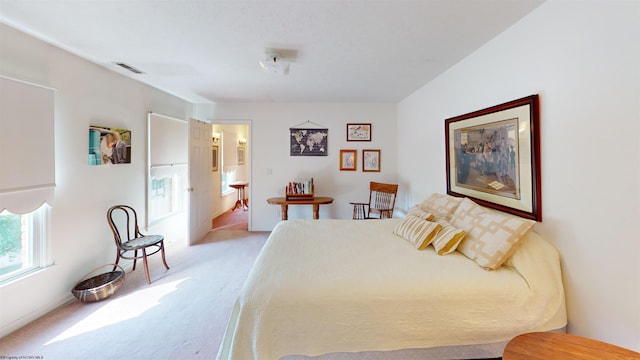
point(327, 288)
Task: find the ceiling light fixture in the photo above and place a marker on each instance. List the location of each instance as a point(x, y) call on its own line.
point(274, 65)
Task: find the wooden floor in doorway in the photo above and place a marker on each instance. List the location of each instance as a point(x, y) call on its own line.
point(231, 220)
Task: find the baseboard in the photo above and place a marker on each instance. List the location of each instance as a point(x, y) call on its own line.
point(38, 313)
point(34, 315)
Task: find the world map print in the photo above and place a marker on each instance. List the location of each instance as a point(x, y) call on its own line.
point(309, 142)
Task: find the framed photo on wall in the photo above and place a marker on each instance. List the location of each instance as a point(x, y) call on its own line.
point(371, 160)
point(493, 157)
point(241, 154)
point(214, 158)
point(109, 146)
point(348, 160)
point(359, 132)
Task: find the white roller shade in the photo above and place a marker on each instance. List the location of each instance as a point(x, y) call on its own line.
point(27, 161)
point(169, 137)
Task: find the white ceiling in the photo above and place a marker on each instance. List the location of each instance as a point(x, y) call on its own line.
point(208, 51)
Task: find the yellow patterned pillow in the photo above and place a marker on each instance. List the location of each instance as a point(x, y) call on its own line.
point(418, 212)
point(448, 238)
point(492, 236)
point(441, 206)
point(417, 231)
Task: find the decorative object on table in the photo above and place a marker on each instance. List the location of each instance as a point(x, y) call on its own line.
point(493, 157)
point(359, 132)
point(241, 154)
point(371, 160)
point(311, 140)
point(99, 287)
point(348, 160)
point(123, 220)
point(382, 200)
point(214, 158)
point(300, 190)
point(109, 146)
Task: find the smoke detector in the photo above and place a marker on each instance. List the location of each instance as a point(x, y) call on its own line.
point(275, 65)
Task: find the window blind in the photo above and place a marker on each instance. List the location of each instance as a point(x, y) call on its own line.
point(27, 160)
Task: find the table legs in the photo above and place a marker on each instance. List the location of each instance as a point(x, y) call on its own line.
point(284, 209)
point(241, 202)
point(316, 211)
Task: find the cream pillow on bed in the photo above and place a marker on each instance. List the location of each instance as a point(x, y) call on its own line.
point(492, 236)
point(418, 212)
point(441, 206)
point(417, 231)
point(448, 238)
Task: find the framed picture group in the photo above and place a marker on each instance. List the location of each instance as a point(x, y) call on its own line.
point(370, 157)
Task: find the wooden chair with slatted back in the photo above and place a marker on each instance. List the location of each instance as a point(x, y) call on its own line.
point(382, 200)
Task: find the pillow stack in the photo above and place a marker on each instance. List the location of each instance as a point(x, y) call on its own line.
point(428, 223)
point(449, 223)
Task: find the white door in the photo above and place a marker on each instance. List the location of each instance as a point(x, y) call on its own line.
point(200, 185)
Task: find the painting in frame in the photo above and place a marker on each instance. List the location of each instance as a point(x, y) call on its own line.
point(308, 142)
point(370, 160)
point(493, 157)
point(214, 158)
point(108, 146)
point(241, 154)
point(348, 160)
point(359, 132)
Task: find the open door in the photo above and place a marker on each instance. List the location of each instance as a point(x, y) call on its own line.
point(200, 186)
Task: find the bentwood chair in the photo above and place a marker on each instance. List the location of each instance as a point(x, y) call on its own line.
point(123, 220)
point(382, 200)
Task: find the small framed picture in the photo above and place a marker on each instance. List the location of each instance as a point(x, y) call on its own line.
point(371, 160)
point(348, 160)
point(214, 158)
point(241, 154)
point(359, 132)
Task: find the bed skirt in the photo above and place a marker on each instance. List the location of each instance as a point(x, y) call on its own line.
point(481, 351)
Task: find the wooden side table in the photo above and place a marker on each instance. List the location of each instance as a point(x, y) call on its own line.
point(241, 202)
point(315, 202)
point(552, 345)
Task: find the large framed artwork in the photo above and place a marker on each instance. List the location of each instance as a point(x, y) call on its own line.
point(308, 142)
point(109, 146)
point(493, 157)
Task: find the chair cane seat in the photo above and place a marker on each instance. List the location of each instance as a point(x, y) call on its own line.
point(141, 242)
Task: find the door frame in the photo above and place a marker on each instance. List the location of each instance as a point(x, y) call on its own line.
point(249, 124)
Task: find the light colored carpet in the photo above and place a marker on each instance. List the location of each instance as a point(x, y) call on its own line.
point(182, 314)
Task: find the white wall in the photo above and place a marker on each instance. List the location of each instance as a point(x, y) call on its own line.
point(273, 167)
point(86, 94)
point(582, 58)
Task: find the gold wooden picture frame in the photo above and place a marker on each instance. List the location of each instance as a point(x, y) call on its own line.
point(348, 160)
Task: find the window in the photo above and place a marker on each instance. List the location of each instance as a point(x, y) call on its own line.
point(166, 197)
point(23, 243)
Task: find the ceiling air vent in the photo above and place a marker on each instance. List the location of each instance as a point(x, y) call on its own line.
point(129, 67)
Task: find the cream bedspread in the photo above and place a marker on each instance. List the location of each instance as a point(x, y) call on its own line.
point(340, 285)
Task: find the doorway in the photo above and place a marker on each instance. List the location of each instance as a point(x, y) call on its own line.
point(232, 147)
